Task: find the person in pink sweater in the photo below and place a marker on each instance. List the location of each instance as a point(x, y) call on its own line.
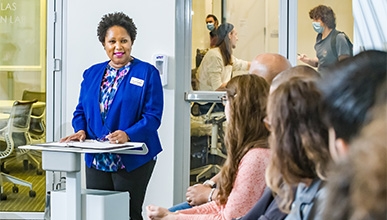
point(242, 177)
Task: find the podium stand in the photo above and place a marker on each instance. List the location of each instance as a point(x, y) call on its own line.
point(66, 157)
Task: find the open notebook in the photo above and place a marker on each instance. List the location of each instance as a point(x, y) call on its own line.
point(91, 146)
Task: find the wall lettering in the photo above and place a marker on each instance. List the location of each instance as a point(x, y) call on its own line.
point(10, 17)
point(7, 6)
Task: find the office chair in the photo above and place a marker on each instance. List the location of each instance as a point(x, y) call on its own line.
point(31, 95)
point(37, 130)
point(216, 146)
point(14, 134)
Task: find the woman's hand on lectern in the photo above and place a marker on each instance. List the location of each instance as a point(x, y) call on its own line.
point(79, 136)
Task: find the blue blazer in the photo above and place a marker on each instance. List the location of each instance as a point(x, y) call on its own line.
point(136, 109)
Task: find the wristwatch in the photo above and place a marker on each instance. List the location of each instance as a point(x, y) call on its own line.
point(211, 194)
point(210, 183)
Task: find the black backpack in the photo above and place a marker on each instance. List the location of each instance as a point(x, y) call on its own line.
point(333, 42)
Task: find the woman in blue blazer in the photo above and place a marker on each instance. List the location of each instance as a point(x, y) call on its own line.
point(120, 100)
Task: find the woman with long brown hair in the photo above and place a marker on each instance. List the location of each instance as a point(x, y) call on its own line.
point(299, 144)
point(241, 182)
point(218, 64)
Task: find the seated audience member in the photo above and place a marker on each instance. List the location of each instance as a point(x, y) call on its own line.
point(241, 180)
point(358, 187)
point(266, 65)
point(349, 90)
point(216, 68)
point(359, 84)
point(303, 72)
point(267, 207)
point(198, 194)
point(299, 144)
point(269, 65)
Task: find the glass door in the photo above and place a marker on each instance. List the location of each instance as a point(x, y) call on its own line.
point(22, 77)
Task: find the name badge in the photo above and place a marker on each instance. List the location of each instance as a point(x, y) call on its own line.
point(137, 81)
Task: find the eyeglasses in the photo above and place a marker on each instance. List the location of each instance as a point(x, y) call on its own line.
point(224, 99)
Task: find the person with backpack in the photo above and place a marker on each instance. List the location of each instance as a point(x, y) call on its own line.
point(331, 45)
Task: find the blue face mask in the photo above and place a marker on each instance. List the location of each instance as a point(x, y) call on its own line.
point(210, 26)
point(317, 27)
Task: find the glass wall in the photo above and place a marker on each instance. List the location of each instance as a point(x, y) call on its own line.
point(22, 77)
point(256, 23)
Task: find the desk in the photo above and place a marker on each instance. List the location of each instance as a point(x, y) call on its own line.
point(59, 157)
point(6, 105)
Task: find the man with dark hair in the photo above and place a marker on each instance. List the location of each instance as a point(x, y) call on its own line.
point(349, 91)
point(324, 23)
point(358, 187)
point(355, 98)
point(212, 24)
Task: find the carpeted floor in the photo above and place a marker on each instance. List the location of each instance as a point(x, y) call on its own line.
point(21, 201)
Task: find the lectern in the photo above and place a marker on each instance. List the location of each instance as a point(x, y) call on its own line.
point(66, 157)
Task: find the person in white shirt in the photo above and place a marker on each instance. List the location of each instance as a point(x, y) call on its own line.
point(218, 64)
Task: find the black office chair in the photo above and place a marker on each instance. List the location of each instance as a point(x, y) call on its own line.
point(15, 134)
point(31, 95)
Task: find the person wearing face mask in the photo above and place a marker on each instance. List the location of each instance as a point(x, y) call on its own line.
point(324, 23)
point(212, 24)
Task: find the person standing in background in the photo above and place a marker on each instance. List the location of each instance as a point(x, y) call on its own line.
point(218, 64)
point(121, 100)
point(212, 24)
point(324, 23)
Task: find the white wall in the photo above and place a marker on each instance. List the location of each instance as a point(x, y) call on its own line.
point(155, 21)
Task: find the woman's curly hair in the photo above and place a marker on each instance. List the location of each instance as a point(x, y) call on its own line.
point(298, 139)
point(116, 19)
